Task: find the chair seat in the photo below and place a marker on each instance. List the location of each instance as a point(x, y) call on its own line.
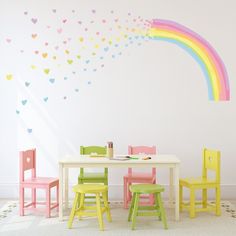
point(146, 188)
point(90, 188)
point(146, 176)
point(92, 176)
point(197, 181)
point(41, 181)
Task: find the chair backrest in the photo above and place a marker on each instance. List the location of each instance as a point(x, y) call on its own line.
point(135, 150)
point(87, 150)
point(211, 161)
point(27, 162)
point(100, 150)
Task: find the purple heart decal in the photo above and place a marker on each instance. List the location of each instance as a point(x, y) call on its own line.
point(34, 20)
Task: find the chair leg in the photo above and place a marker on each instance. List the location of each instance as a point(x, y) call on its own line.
point(218, 207)
point(105, 201)
point(125, 187)
point(99, 212)
point(204, 198)
point(129, 195)
point(162, 210)
point(73, 210)
point(33, 195)
point(180, 197)
point(22, 200)
point(57, 197)
point(131, 208)
point(48, 202)
point(81, 198)
point(135, 211)
point(157, 206)
point(192, 203)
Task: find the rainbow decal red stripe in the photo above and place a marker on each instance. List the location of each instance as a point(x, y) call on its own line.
point(212, 65)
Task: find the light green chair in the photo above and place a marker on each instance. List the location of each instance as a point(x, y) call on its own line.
point(99, 191)
point(93, 177)
point(156, 210)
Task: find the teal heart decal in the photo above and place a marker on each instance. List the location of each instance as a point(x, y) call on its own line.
point(52, 80)
point(24, 102)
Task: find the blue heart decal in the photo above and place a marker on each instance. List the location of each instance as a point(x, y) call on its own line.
point(24, 102)
point(65, 78)
point(17, 112)
point(29, 131)
point(27, 84)
point(106, 49)
point(87, 61)
point(45, 99)
point(52, 80)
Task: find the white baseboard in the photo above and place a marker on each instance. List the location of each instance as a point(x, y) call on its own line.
point(11, 191)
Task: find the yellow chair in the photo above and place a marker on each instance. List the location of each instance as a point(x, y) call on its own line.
point(96, 189)
point(211, 161)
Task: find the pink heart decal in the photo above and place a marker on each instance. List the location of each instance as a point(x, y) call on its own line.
point(46, 44)
point(34, 20)
point(59, 30)
point(93, 11)
point(56, 47)
point(8, 40)
point(103, 21)
point(36, 52)
point(80, 22)
point(48, 26)
point(64, 21)
point(64, 42)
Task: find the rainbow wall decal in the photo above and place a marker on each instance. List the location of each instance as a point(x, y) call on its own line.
point(200, 49)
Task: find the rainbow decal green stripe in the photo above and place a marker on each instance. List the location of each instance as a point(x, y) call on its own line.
point(210, 62)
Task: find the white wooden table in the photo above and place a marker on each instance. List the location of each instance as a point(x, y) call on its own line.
point(159, 161)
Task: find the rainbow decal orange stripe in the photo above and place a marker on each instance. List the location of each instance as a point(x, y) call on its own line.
point(210, 62)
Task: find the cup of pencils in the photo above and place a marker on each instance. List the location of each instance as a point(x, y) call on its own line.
point(109, 149)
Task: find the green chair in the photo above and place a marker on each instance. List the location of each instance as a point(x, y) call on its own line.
point(156, 210)
point(93, 177)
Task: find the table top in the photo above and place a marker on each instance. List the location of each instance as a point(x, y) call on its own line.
point(86, 159)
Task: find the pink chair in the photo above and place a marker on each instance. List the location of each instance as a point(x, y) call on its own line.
point(28, 162)
point(133, 177)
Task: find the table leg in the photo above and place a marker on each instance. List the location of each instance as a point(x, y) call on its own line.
point(66, 187)
point(176, 175)
point(61, 192)
point(171, 188)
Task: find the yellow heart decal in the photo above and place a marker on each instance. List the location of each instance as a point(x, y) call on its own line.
point(70, 61)
point(46, 71)
point(9, 77)
point(33, 67)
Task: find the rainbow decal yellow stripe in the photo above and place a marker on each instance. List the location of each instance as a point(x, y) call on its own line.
point(210, 62)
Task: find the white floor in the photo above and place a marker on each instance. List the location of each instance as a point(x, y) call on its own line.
point(205, 224)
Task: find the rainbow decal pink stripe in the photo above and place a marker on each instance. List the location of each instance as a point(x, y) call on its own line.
point(212, 65)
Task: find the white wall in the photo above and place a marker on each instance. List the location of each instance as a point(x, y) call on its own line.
point(153, 94)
